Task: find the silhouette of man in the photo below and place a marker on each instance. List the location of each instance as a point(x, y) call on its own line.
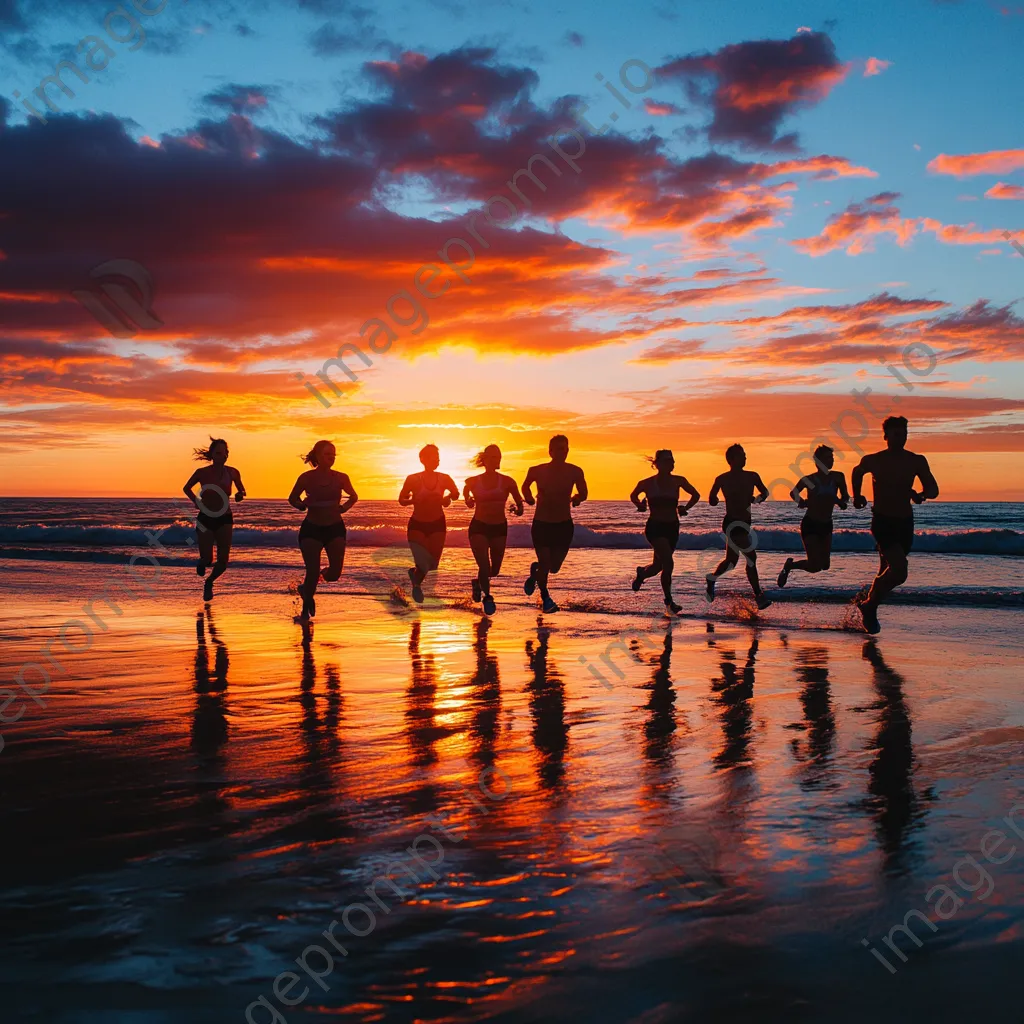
point(893, 472)
point(738, 485)
point(552, 528)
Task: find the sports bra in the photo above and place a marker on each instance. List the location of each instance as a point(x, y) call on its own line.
point(220, 493)
point(493, 494)
point(663, 502)
point(324, 492)
point(821, 488)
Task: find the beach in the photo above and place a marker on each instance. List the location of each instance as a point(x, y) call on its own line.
point(721, 822)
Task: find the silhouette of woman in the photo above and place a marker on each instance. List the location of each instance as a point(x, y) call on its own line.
point(488, 530)
point(214, 522)
point(825, 488)
point(323, 527)
point(429, 493)
point(661, 493)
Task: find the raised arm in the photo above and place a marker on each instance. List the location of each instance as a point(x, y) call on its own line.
point(581, 489)
point(693, 493)
point(405, 495)
point(929, 486)
point(801, 485)
point(715, 488)
point(467, 493)
point(641, 504)
point(451, 491)
point(346, 486)
point(844, 494)
point(857, 478)
point(513, 490)
point(762, 491)
point(295, 498)
point(239, 486)
point(528, 483)
point(187, 489)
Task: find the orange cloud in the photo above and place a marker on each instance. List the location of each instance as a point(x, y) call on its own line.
point(1000, 190)
point(996, 161)
point(659, 109)
point(857, 226)
point(874, 66)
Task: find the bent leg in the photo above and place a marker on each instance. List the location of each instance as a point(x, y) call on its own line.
point(420, 553)
point(497, 550)
point(223, 540)
point(893, 572)
point(205, 539)
point(335, 559)
point(755, 583)
point(434, 544)
point(543, 568)
point(665, 561)
point(311, 548)
point(481, 552)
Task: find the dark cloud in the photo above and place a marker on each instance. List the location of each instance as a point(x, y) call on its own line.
point(5, 109)
point(751, 87)
point(572, 39)
point(240, 99)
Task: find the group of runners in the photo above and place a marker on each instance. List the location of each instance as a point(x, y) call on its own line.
point(325, 495)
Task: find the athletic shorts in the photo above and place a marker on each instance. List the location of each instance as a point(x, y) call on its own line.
point(664, 529)
point(214, 523)
point(552, 535)
point(815, 527)
point(324, 534)
point(427, 528)
point(488, 530)
point(891, 530)
point(738, 536)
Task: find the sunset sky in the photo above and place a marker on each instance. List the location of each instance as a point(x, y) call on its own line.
point(795, 194)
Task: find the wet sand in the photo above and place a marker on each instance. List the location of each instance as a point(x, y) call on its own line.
point(708, 836)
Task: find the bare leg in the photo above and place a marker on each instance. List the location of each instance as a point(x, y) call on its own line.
point(482, 553)
point(420, 554)
point(893, 571)
point(335, 560)
point(727, 564)
point(497, 554)
point(818, 551)
point(310, 548)
point(223, 541)
point(205, 540)
point(543, 569)
point(665, 562)
point(755, 583)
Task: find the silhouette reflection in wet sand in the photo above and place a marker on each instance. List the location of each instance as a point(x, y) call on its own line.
point(321, 745)
point(734, 690)
point(209, 721)
point(815, 750)
point(422, 729)
point(890, 784)
point(661, 723)
point(486, 696)
point(550, 734)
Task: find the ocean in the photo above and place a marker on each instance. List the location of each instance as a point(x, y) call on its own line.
point(965, 553)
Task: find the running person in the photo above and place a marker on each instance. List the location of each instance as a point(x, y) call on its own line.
point(429, 493)
point(825, 488)
point(214, 523)
point(323, 528)
point(488, 531)
point(552, 528)
point(893, 472)
point(739, 486)
point(661, 494)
